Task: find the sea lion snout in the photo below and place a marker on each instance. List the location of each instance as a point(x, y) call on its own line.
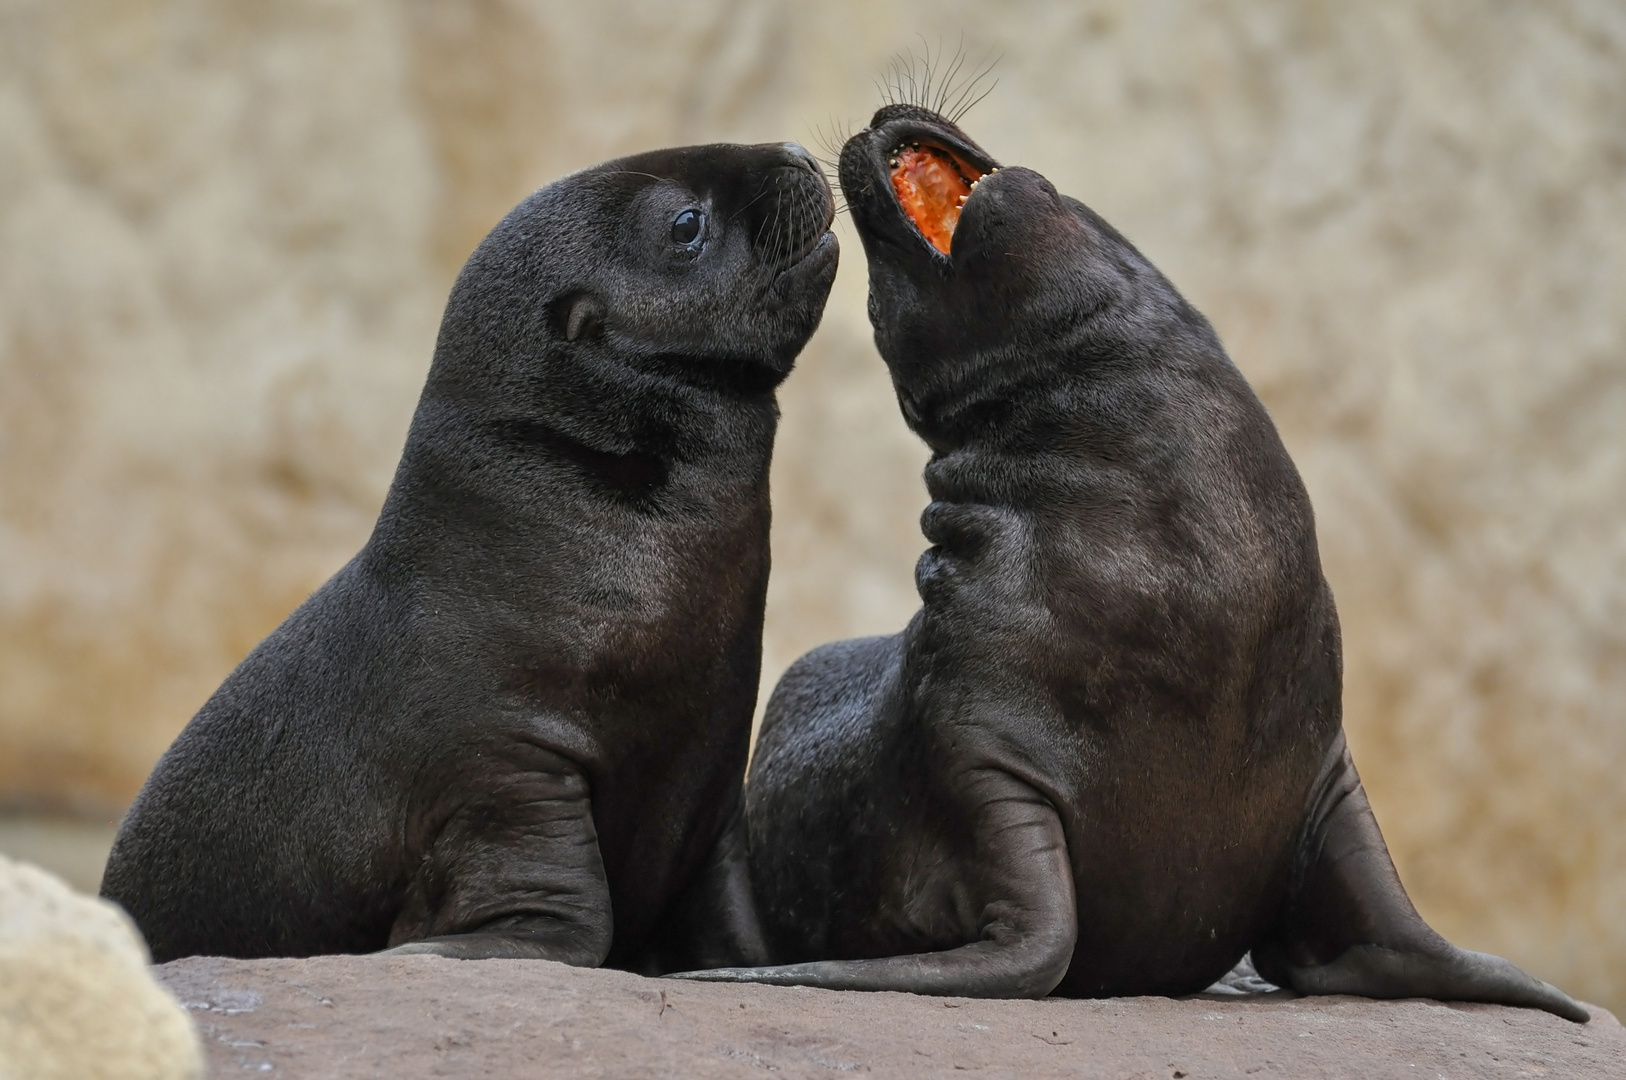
point(1015, 213)
point(792, 207)
point(800, 157)
point(906, 177)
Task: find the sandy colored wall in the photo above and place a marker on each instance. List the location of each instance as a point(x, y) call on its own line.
point(226, 231)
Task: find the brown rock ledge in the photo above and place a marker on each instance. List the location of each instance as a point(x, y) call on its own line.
point(420, 1016)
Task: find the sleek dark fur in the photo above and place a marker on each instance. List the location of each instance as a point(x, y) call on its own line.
point(526, 703)
point(1107, 756)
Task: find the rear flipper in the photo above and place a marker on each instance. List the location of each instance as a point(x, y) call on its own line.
point(1349, 928)
point(1028, 924)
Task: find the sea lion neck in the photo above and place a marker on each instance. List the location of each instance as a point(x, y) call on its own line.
point(472, 482)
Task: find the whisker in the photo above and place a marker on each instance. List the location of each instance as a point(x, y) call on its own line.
point(832, 142)
point(914, 81)
point(964, 101)
point(793, 235)
point(973, 103)
point(924, 90)
point(931, 79)
point(772, 231)
point(761, 191)
point(787, 235)
point(951, 77)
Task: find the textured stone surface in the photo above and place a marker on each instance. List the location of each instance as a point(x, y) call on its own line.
point(226, 231)
point(418, 1016)
point(77, 998)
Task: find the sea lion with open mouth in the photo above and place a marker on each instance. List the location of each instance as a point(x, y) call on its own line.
point(526, 704)
point(1107, 756)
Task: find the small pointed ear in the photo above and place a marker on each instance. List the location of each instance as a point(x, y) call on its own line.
point(581, 315)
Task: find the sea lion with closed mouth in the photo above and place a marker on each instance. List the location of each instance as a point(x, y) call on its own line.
point(1107, 756)
point(515, 725)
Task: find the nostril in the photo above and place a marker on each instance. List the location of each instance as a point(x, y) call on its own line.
point(799, 156)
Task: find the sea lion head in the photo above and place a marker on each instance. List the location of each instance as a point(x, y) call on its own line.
point(706, 266)
point(982, 278)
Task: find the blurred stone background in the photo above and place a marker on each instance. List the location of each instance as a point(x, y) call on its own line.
point(227, 229)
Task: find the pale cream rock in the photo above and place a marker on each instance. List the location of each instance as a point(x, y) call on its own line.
point(78, 1000)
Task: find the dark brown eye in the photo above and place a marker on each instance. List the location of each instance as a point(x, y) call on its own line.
point(686, 226)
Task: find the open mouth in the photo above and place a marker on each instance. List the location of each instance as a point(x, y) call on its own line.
point(931, 184)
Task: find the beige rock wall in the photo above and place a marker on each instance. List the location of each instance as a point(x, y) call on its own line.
point(226, 231)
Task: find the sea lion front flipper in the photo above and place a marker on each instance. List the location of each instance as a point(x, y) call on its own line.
point(1348, 926)
point(514, 871)
point(1028, 924)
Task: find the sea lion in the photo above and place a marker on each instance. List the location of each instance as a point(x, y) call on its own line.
point(1107, 756)
point(526, 703)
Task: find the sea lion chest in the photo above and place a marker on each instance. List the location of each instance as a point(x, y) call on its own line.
point(1079, 643)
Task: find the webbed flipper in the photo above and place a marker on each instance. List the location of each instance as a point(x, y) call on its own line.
point(1348, 926)
point(1027, 927)
point(515, 872)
